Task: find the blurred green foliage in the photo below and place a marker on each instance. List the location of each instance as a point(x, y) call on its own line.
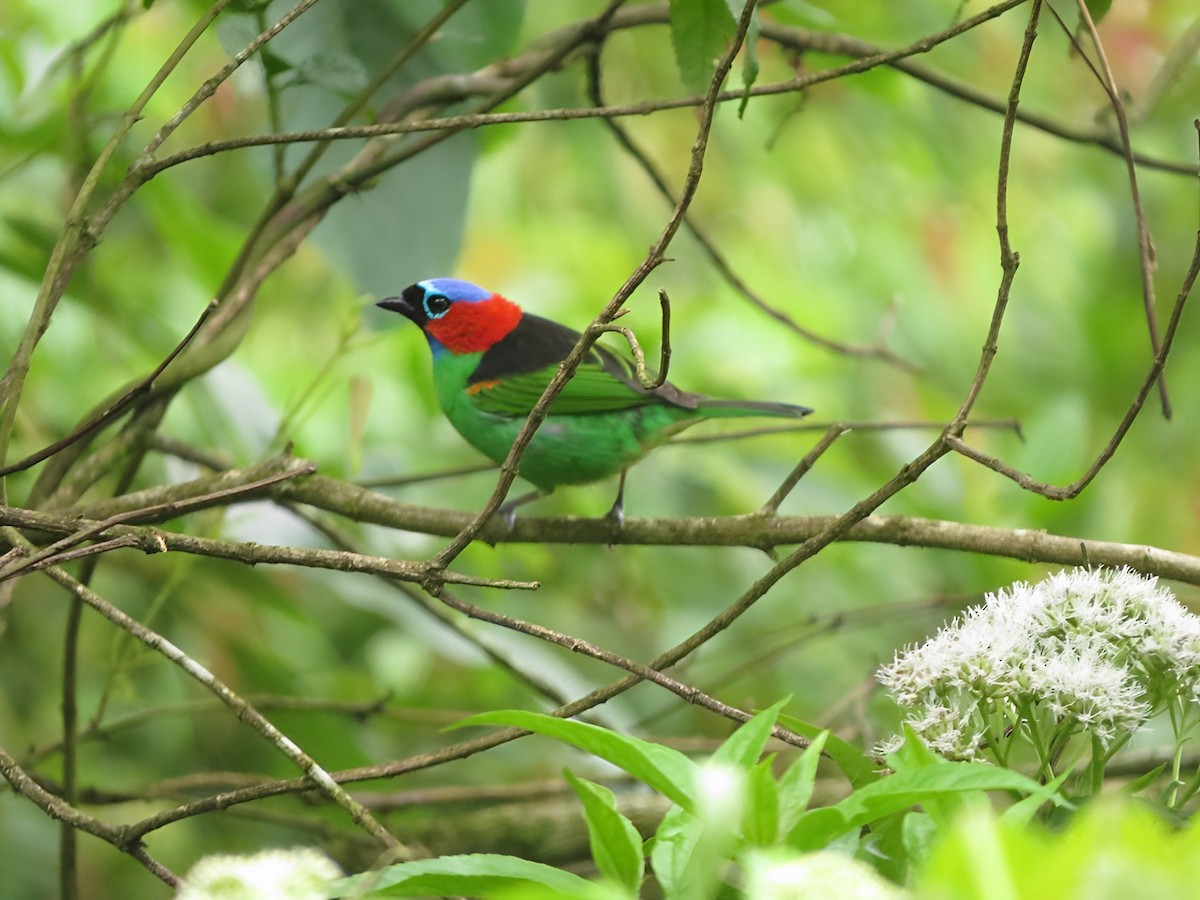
point(864, 209)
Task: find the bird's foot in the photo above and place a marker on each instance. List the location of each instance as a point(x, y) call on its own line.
point(616, 515)
point(508, 510)
point(508, 516)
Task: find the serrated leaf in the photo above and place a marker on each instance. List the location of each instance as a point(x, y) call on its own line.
point(700, 32)
point(616, 844)
point(667, 771)
point(475, 874)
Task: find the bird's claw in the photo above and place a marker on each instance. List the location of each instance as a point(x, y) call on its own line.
point(508, 510)
point(616, 514)
point(508, 516)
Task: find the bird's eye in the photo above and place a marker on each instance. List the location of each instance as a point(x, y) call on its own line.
point(436, 305)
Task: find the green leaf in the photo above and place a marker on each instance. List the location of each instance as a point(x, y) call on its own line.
point(1098, 9)
point(616, 844)
point(914, 753)
point(919, 834)
point(818, 827)
point(667, 771)
point(412, 221)
point(760, 821)
point(745, 745)
point(1115, 847)
point(796, 784)
point(749, 50)
point(855, 765)
point(1144, 780)
point(475, 874)
point(677, 857)
point(1023, 811)
point(700, 32)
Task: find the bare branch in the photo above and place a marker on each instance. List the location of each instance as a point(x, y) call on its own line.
point(154, 540)
point(318, 776)
point(62, 811)
point(655, 256)
point(1145, 242)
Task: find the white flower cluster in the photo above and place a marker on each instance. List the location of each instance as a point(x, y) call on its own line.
point(1094, 650)
point(773, 874)
point(297, 874)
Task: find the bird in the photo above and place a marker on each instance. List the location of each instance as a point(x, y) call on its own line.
point(492, 361)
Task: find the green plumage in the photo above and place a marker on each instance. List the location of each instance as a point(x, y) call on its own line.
point(492, 363)
point(597, 426)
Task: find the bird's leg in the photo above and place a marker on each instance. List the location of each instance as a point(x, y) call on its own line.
point(508, 509)
point(617, 513)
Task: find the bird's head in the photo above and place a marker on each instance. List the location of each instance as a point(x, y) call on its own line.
point(456, 315)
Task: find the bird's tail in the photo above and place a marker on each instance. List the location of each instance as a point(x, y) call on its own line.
point(728, 409)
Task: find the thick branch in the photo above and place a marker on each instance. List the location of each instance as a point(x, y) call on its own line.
point(755, 530)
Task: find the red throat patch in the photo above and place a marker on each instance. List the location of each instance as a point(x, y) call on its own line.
point(474, 327)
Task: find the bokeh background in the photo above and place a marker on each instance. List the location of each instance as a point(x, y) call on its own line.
point(864, 209)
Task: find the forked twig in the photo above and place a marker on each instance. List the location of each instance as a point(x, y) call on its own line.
point(1069, 491)
point(716, 257)
point(639, 356)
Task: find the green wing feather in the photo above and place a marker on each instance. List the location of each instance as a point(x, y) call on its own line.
point(593, 389)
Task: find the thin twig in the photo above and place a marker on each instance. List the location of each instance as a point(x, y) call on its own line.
point(57, 809)
point(832, 433)
point(1072, 490)
point(78, 237)
point(445, 617)
point(156, 540)
point(645, 379)
point(1146, 259)
point(157, 512)
point(358, 711)
point(587, 648)
point(156, 642)
point(738, 434)
point(114, 408)
point(869, 57)
point(206, 90)
point(654, 258)
point(716, 257)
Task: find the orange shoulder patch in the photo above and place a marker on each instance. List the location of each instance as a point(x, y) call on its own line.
point(481, 386)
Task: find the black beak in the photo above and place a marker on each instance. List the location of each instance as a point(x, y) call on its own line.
point(408, 304)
